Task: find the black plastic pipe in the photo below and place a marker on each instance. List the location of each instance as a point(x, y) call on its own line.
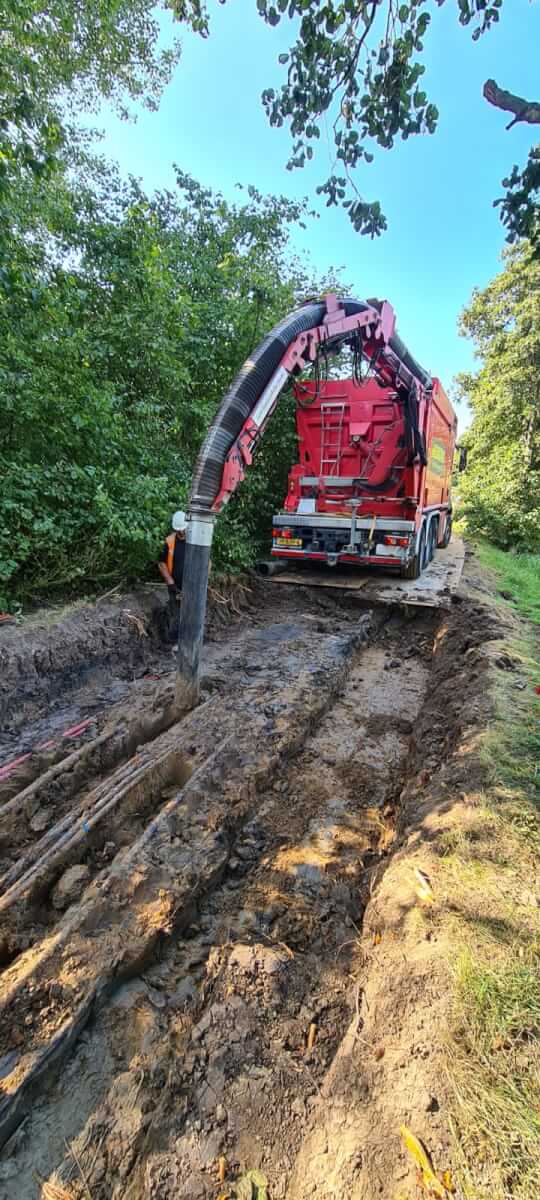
point(193, 611)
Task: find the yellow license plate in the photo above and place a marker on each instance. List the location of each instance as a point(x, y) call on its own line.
point(288, 541)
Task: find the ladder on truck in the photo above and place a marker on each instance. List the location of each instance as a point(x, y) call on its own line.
point(332, 416)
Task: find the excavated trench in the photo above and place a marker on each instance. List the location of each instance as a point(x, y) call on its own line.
point(180, 907)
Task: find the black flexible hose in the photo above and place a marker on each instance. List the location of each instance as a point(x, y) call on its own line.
point(388, 481)
point(400, 350)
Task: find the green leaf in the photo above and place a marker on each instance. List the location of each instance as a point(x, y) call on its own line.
point(252, 1186)
point(258, 1179)
point(244, 1189)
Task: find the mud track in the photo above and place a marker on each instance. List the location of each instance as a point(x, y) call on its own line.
point(181, 902)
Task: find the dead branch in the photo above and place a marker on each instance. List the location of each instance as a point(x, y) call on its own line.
point(524, 110)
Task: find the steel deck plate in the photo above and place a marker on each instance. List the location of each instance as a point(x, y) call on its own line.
point(434, 589)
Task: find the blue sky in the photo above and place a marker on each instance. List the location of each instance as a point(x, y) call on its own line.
point(444, 236)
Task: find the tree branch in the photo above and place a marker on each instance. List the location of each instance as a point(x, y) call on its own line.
point(524, 110)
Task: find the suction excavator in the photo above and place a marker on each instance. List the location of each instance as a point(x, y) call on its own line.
point(372, 485)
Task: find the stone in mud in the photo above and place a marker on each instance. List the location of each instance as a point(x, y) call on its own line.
point(40, 821)
point(243, 957)
point(185, 994)
point(167, 1176)
point(130, 994)
point(8, 1169)
point(246, 920)
point(71, 886)
point(204, 1024)
point(262, 959)
point(246, 851)
point(157, 998)
point(210, 1147)
point(8, 1062)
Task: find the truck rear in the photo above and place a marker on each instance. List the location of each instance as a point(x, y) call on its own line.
point(372, 485)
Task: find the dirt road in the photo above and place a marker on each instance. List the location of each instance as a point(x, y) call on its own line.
point(185, 970)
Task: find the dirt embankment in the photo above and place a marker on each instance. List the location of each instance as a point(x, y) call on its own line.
point(58, 669)
point(46, 658)
point(261, 935)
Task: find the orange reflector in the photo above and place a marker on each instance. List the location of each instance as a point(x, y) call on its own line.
point(390, 539)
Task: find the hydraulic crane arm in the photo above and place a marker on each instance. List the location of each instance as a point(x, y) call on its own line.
point(240, 422)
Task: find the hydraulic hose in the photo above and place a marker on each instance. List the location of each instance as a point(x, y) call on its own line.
point(404, 356)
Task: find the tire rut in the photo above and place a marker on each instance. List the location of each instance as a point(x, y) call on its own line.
point(222, 1045)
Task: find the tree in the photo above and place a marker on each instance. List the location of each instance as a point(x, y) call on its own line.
point(60, 58)
point(501, 487)
point(519, 207)
point(126, 318)
point(72, 53)
point(359, 61)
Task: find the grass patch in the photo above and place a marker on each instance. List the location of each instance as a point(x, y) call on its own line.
point(496, 1077)
point(511, 749)
point(494, 1056)
point(519, 575)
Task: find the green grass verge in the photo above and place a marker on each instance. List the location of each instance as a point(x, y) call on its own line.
point(497, 1079)
point(494, 1060)
point(519, 575)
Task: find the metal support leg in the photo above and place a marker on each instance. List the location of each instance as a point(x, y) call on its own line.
point(351, 548)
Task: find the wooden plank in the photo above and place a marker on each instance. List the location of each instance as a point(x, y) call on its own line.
point(321, 579)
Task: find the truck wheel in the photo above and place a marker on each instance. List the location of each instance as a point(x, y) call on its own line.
point(432, 539)
point(447, 532)
point(416, 565)
point(425, 539)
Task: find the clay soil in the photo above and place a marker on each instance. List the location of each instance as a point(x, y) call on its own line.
point(213, 947)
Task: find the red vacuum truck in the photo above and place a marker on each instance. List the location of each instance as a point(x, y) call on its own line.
point(372, 486)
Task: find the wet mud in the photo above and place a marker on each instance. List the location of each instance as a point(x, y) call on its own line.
point(182, 901)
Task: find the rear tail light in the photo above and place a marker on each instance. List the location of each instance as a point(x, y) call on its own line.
point(390, 539)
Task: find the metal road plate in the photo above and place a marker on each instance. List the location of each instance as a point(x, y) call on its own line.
point(434, 589)
point(323, 578)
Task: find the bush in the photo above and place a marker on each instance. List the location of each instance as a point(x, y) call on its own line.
point(125, 321)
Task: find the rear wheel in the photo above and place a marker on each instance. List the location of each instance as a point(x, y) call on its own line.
point(432, 539)
point(425, 546)
point(447, 532)
point(416, 565)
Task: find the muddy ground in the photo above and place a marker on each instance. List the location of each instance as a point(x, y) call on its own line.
point(212, 958)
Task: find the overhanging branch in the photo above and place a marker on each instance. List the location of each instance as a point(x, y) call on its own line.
point(524, 110)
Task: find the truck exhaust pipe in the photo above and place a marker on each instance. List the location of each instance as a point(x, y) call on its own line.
point(270, 568)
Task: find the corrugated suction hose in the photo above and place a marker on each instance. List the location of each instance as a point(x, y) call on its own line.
point(242, 397)
point(251, 380)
